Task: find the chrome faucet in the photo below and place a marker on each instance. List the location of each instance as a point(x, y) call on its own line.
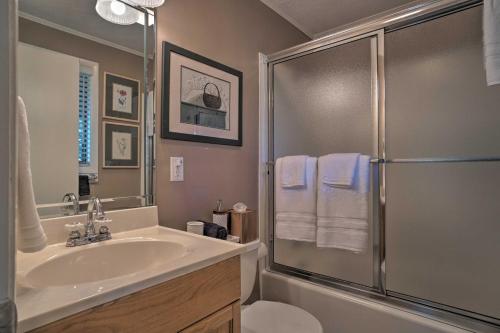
point(71, 197)
point(95, 214)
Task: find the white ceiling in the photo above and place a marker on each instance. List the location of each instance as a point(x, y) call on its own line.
point(314, 17)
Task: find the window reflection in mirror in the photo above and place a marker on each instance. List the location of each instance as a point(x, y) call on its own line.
point(78, 72)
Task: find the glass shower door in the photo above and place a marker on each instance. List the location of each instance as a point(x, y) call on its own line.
point(323, 103)
point(443, 175)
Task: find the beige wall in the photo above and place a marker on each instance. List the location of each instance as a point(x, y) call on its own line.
point(112, 182)
point(231, 32)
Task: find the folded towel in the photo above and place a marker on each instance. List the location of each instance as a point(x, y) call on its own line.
point(343, 212)
point(296, 206)
point(298, 227)
point(339, 169)
point(330, 234)
point(214, 230)
point(293, 171)
point(83, 185)
point(491, 39)
point(30, 236)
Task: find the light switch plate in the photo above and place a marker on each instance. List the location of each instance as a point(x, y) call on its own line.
point(176, 169)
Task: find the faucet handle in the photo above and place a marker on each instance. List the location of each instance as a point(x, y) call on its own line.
point(71, 197)
point(101, 225)
point(104, 233)
point(72, 227)
point(103, 229)
point(75, 234)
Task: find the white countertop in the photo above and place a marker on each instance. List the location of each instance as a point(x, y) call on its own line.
point(38, 306)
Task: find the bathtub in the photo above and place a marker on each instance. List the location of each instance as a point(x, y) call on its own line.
point(342, 312)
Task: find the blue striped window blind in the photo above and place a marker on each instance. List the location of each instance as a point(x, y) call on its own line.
point(84, 119)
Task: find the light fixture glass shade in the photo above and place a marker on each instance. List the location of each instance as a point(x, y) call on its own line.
point(148, 3)
point(116, 12)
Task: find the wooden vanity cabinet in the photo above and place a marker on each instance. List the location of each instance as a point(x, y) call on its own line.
point(226, 320)
point(204, 301)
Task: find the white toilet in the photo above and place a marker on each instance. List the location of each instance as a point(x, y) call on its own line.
point(269, 317)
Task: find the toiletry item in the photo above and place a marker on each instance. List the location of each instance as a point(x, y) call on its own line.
point(239, 207)
point(214, 230)
point(195, 227)
point(220, 216)
point(244, 225)
point(70, 227)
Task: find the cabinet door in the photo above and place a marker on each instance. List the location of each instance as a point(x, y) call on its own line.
point(226, 320)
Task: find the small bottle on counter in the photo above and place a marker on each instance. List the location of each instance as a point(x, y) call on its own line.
point(220, 216)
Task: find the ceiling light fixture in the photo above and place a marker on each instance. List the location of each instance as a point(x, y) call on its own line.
point(118, 8)
point(116, 12)
point(148, 3)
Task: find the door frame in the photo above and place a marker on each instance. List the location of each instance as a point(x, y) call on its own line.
point(8, 95)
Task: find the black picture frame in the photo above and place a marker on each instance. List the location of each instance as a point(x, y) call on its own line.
point(166, 133)
point(134, 85)
point(108, 128)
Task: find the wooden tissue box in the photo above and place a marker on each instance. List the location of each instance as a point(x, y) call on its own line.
point(244, 225)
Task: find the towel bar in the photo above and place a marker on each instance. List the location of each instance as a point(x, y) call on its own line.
point(429, 160)
point(373, 160)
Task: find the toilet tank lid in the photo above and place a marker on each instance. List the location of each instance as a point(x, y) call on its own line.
point(262, 252)
point(253, 245)
point(265, 316)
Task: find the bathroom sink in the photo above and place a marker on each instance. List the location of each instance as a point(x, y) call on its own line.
point(73, 279)
point(102, 261)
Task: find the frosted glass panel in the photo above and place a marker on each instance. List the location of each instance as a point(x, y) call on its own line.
point(443, 233)
point(437, 101)
point(322, 105)
point(322, 102)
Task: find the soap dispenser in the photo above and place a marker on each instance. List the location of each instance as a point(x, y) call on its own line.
point(220, 216)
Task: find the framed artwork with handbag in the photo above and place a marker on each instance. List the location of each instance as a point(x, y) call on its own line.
point(201, 99)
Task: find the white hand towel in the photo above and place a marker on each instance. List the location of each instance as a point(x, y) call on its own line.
point(296, 206)
point(343, 212)
point(491, 39)
point(339, 169)
point(30, 236)
point(293, 171)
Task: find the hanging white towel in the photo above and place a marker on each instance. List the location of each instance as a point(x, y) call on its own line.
point(293, 171)
point(343, 212)
point(30, 236)
point(491, 40)
point(296, 206)
point(341, 169)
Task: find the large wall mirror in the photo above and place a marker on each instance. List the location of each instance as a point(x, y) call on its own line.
point(86, 75)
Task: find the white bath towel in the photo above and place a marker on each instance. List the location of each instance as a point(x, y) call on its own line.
point(339, 169)
point(491, 40)
point(296, 207)
point(293, 171)
point(343, 212)
point(30, 236)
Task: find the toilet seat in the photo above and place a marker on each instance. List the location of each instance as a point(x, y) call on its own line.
point(275, 317)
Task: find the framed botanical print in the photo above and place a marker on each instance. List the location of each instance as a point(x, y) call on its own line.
point(202, 99)
point(121, 145)
point(121, 98)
